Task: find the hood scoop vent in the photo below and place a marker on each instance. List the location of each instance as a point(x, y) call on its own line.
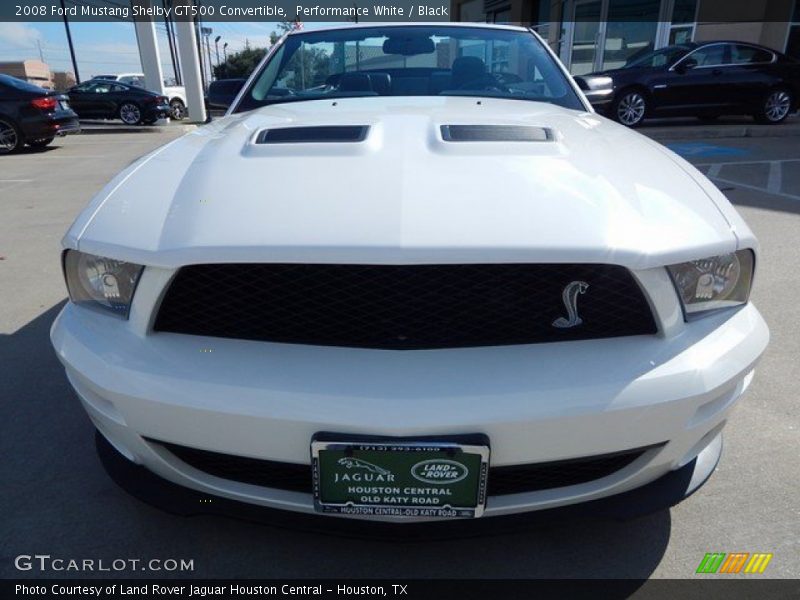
point(325, 134)
point(496, 133)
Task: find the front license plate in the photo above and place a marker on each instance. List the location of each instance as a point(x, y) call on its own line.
point(389, 478)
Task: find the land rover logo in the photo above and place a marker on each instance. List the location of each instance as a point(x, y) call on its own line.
point(439, 471)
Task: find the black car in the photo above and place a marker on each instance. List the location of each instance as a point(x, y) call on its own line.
point(702, 80)
point(32, 115)
point(100, 99)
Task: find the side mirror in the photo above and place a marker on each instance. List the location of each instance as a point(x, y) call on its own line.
point(223, 92)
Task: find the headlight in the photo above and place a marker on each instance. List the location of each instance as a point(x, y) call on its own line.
point(716, 282)
point(599, 83)
point(101, 283)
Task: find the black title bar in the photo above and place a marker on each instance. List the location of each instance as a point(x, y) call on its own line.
point(711, 11)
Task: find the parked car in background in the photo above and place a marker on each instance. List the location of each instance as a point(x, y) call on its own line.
point(222, 93)
point(101, 99)
point(700, 80)
point(176, 94)
point(32, 115)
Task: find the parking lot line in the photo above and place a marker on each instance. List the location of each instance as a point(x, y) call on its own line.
point(774, 176)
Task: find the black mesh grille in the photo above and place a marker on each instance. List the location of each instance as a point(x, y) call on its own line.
point(402, 307)
point(502, 480)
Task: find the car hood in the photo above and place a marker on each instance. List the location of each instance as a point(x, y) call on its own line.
point(596, 192)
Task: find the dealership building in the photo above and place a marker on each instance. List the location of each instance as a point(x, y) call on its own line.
point(593, 35)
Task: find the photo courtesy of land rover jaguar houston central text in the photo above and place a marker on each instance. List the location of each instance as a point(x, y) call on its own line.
point(411, 276)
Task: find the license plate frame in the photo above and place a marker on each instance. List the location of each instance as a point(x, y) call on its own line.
point(447, 474)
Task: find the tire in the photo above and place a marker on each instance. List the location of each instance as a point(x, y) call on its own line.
point(177, 109)
point(41, 143)
point(630, 108)
point(10, 137)
point(775, 107)
point(130, 113)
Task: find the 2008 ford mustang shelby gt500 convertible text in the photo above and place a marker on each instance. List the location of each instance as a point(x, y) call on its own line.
point(411, 275)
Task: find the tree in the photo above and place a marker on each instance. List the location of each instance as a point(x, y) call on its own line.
point(308, 68)
point(240, 64)
point(283, 28)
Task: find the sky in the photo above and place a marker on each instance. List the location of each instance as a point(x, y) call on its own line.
point(110, 48)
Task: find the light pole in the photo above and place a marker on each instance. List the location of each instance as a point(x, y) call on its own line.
point(225, 56)
point(69, 43)
point(216, 48)
point(206, 32)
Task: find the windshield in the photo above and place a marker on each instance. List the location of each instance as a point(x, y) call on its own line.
point(659, 58)
point(411, 61)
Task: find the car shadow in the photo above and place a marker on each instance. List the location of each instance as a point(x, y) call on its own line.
point(35, 150)
point(59, 500)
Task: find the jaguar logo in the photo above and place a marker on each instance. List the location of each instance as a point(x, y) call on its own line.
point(356, 463)
point(439, 471)
point(570, 298)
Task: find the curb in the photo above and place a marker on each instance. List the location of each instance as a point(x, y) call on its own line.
point(791, 129)
point(103, 129)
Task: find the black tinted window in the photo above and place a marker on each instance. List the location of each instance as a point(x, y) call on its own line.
point(745, 55)
point(710, 56)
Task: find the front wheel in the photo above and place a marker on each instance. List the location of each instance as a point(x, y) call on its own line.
point(10, 138)
point(630, 108)
point(130, 114)
point(775, 107)
point(41, 143)
point(177, 110)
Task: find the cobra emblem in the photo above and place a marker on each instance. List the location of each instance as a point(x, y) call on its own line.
point(570, 298)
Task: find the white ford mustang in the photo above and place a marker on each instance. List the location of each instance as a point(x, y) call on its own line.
point(411, 276)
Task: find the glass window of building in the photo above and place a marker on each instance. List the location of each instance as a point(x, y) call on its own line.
point(630, 32)
point(684, 17)
point(793, 39)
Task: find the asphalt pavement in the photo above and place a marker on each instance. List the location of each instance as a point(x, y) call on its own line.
point(57, 499)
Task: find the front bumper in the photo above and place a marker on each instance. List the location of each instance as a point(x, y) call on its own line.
point(601, 100)
point(155, 112)
point(536, 403)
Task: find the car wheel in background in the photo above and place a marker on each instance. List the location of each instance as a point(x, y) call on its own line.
point(177, 110)
point(10, 137)
point(776, 107)
point(41, 143)
point(130, 114)
point(630, 108)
